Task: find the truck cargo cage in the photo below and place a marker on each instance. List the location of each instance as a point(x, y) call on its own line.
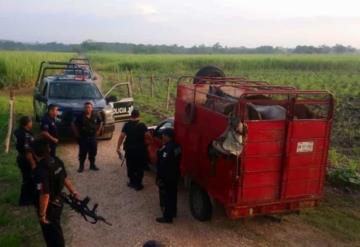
point(285, 143)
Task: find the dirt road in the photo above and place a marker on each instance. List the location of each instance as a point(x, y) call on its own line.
point(133, 214)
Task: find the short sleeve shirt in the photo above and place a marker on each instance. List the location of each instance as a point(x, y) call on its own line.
point(49, 177)
point(24, 140)
point(87, 126)
point(48, 124)
point(135, 135)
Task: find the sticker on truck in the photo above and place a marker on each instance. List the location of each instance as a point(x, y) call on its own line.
point(305, 147)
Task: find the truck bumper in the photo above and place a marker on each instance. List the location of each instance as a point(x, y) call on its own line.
point(235, 212)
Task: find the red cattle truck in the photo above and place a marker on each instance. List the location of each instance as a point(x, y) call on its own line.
point(253, 147)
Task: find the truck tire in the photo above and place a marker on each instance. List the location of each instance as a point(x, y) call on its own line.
point(209, 71)
point(200, 204)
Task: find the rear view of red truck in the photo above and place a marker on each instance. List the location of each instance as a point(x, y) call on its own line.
point(254, 147)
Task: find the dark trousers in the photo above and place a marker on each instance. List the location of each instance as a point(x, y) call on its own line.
point(135, 162)
point(27, 193)
point(168, 199)
point(53, 149)
point(87, 147)
point(52, 232)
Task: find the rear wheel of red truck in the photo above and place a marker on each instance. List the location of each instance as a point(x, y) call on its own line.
point(200, 204)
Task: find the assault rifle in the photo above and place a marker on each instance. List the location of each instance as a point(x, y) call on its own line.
point(81, 207)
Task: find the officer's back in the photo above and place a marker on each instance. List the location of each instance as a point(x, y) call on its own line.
point(135, 132)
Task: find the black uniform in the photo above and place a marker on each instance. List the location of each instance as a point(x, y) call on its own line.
point(167, 178)
point(48, 124)
point(87, 137)
point(135, 151)
point(24, 141)
point(49, 177)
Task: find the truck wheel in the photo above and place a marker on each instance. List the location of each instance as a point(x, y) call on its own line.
point(200, 204)
point(209, 71)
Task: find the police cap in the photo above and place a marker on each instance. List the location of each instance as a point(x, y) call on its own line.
point(169, 132)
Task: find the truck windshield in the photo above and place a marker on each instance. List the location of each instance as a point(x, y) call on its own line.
point(72, 90)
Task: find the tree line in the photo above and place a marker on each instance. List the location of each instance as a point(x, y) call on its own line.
point(217, 48)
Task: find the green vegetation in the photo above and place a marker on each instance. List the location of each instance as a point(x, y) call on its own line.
point(338, 215)
point(217, 48)
point(18, 226)
point(19, 69)
point(339, 74)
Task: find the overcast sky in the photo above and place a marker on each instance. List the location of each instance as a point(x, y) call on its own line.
point(185, 22)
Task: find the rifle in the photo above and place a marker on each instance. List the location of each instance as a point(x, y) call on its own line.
point(81, 207)
point(122, 158)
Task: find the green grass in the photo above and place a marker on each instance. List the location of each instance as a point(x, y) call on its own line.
point(338, 214)
point(340, 74)
point(19, 68)
point(18, 225)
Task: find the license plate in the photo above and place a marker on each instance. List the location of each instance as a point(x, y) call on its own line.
point(305, 147)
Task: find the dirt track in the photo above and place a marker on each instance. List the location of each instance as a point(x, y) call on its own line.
point(133, 214)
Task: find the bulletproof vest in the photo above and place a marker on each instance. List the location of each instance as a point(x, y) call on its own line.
point(88, 127)
point(57, 175)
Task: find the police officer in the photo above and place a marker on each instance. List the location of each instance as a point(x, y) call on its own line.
point(134, 133)
point(50, 178)
point(167, 175)
point(48, 128)
point(86, 127)
point(25, 160)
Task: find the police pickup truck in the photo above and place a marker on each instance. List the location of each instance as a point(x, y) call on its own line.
point(70, 91)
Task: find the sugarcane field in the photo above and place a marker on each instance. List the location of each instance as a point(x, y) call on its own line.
point(150, 123)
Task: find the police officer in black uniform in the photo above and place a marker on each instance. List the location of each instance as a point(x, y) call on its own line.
point(50, 178)
point(49, 129)
point(134, 133)
point(25, 160)
point(86, 127)
point(167, 175)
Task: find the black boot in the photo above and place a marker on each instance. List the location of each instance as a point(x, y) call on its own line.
point(93, 166)
point(164, 220)
point(81, 167)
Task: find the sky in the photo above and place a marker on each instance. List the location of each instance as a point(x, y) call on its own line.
point(233, 23)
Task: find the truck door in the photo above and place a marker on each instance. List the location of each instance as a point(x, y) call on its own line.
point(262, 160)
point(121, 100)
point(307, 146)
point(40, 100)
point(154, 141)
